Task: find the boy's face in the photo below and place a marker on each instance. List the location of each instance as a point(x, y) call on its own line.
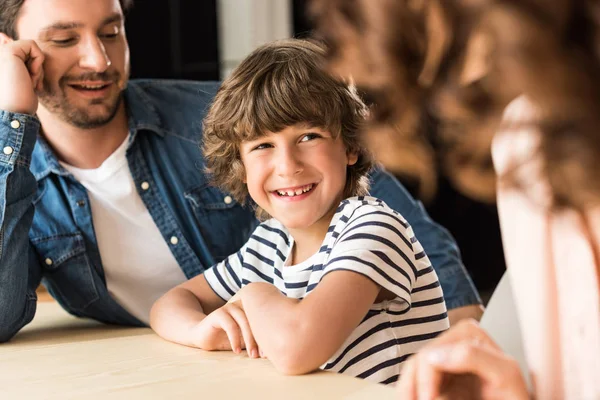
point(297, 175)
point(86, 56)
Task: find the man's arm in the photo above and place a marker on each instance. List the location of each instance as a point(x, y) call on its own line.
point(20, 273)
point(462, 299)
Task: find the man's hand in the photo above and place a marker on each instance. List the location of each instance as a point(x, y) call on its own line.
point(226, 328)
point(21, 75)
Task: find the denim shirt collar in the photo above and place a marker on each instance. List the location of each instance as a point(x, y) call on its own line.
point(142, 115)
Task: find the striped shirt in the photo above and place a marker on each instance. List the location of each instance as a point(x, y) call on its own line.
point(371, 239)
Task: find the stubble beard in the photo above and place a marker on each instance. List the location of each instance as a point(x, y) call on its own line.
point(57, 102)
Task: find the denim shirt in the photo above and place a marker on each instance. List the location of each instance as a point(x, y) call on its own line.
point(47, 232)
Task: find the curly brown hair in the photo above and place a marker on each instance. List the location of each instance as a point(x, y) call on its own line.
point(278, 85)
point(9, 11)
point(463, 61)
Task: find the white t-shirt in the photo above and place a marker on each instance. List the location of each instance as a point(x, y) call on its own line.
point(367, 237)
point(138, 264)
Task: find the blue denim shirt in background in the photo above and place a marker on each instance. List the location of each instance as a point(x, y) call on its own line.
point(46, 222)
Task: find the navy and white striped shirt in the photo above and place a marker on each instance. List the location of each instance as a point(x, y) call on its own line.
point(369, 238)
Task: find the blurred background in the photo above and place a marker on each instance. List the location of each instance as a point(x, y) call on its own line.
point(205, 40)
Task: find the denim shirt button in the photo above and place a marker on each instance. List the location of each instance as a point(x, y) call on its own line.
point(8, 150)
point(145, 186)
point(15, 124)
point(48, 261)
point(227, 199)
point(174, 240)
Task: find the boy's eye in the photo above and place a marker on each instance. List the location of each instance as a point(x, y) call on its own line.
point(262, 146)
point(310, 136)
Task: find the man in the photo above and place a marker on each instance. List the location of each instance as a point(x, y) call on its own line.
point(110, 206)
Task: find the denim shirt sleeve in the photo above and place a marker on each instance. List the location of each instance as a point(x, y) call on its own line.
point(439, 245)
point(20, 273)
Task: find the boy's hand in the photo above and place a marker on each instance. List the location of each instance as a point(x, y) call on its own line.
point(227, 328)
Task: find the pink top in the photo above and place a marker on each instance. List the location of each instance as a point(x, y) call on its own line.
point(555, 286)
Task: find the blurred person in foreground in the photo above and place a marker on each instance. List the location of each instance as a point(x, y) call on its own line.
point(520, 79)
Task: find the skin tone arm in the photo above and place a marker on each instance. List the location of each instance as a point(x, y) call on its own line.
point(193, 315)
point(308, 332)
point(284, 333)
point(474, 311)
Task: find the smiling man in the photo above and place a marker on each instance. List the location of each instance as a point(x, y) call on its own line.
point(102, 189)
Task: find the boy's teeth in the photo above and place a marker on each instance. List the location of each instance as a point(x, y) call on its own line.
point(297, 192)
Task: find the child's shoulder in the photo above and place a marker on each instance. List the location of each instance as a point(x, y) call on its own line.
point(361, 207)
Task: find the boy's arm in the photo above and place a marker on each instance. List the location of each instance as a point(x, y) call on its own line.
point(462, 299)
point(299, 336)
point(176, 315)
point(196, 314)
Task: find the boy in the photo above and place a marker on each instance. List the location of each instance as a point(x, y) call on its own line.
point(331, 280)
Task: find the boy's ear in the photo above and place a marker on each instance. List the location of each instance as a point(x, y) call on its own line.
point(352, 157)
point(4, 38)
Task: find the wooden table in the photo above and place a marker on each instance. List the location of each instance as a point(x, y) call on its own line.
point(61, 357)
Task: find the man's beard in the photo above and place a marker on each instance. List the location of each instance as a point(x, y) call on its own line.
point(57, 102)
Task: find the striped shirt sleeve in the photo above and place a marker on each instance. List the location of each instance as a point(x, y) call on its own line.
point(225, 278)
point(380, 246)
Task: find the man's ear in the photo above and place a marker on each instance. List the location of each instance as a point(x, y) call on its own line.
point(4, 38)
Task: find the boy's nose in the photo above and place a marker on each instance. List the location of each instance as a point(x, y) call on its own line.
point(288, 164)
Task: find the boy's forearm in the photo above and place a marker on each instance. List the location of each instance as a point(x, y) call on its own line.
point(175, 315)
point(279, 328)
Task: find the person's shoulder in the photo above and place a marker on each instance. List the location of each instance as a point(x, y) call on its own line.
point(175, 92)
point(177, 107)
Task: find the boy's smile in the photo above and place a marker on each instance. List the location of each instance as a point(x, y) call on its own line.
point(297, 175)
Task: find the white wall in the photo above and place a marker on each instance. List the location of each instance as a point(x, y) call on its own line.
point(246, 24)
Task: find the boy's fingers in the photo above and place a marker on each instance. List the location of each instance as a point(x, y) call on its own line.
point(240, 317)
point(231, 328)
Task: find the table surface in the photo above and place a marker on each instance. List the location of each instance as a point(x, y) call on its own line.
point(58, 356)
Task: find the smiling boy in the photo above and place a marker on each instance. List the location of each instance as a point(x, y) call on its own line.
point(332, 278)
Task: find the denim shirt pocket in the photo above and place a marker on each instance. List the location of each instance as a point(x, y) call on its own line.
point(224, 223)
point(67, 270)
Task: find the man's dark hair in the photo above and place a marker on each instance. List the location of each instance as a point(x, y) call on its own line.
point(9, 11)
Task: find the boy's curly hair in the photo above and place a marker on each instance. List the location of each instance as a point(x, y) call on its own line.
point(278, 85)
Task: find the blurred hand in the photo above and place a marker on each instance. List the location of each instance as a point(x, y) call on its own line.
point(462, 363)
point(21, 75)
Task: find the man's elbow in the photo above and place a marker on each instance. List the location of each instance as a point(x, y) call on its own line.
point(9, 326)
point(12, 320)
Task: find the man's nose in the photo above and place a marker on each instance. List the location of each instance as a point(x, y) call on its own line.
point(288, 163)
point(93, 56)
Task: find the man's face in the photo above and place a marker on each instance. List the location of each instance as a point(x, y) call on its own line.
point(86, 63)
